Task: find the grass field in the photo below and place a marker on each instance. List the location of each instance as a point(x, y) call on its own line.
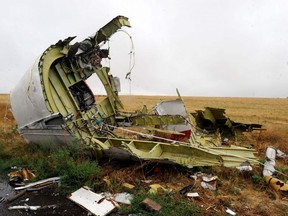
point(245, 193)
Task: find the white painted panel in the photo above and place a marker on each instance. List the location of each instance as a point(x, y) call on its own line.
point(27, 100)
point(95, 203)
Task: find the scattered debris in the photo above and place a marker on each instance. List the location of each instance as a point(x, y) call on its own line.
point(40, 184)
point(209, 179)
point(124, 198)
point(270, 161)
point(195, 176)
point(281, 154)
point(92, 202)
point(192, 195)
point(209, 182)
point(156, 188)
point(271, 154)
point(49, 207)
point(25, 207)
point(107, 194)
point(186, 189)
point(128, 186)
point(107, 181)
point(269, 169)
point(18, 178)
point(208, 185)
point(150, 205)
point(276, 184)
point(24, 174)
point(147, 181)
point(245, 168)
point(230, 212)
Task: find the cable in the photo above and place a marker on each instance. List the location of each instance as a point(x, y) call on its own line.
point(131, 61)
point(132, 55)
point(146, 135)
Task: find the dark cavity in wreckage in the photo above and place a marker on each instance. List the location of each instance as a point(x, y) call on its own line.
point(52, 103)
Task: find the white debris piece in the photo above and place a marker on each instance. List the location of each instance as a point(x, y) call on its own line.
point(271, 154)
point(270, 162)
point(106, 194)
point(94, 203)
point(193, 177)
point(209, 182)
point(230, 212)
point(209, 179)
point(124, 198)
point(25, 207)
point(244, 168)
point(192, 195)
point(280, 154)
point(206, 185)
point(40, 184)
point(146, 181)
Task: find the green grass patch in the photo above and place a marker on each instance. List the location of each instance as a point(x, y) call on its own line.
point(171, 205)
point(71, 163)
point(5, 161)
point(75, 172)
point(256, 179)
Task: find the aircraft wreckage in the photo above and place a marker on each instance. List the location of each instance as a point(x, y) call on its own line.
point(53, 104)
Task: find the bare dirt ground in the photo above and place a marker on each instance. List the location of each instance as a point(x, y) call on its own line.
point(51, 201)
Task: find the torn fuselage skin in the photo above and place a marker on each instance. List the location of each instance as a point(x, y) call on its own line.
point(58, 97)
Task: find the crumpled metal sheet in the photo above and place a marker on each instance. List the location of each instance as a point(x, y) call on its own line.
point(94, 203)
point(173, 107)
point(270, 162)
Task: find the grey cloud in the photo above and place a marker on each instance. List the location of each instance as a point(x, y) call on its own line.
point(204, 48)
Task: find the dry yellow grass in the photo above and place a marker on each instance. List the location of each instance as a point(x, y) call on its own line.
point(8, 137)
point(272, 113)
point(235, 189)
point(6, 118)
point(257, 110)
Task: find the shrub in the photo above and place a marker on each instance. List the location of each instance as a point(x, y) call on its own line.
point(74, 172)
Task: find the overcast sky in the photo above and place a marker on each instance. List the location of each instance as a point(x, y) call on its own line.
point(204, 48)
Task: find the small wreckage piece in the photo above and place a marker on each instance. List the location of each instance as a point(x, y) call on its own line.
point(52, 104)
point(25, 207)
point(40, 184)
point(269, 170)
point(17, 178)
point(94, 203)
